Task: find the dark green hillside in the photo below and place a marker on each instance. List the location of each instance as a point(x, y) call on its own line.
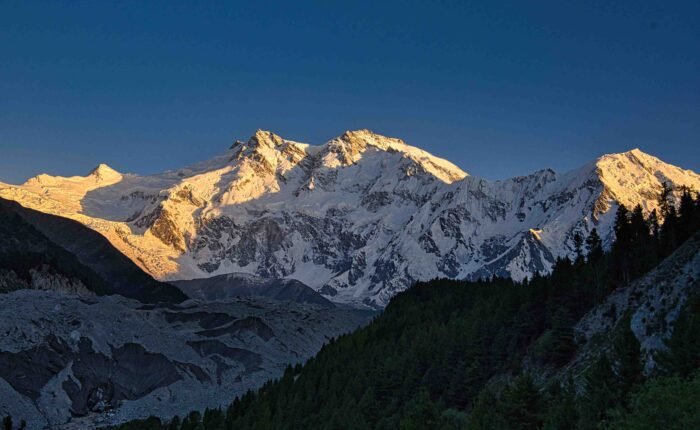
point(494, 354)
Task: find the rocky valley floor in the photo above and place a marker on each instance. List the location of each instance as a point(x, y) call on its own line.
point(69, 361)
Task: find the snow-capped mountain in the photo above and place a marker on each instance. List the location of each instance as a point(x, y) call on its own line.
point(358, 218)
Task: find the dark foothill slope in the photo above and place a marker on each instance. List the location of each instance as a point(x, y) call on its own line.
point(31, 241)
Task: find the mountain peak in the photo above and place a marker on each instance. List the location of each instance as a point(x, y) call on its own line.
point(353, 143)
point(362, 138)
point(634, 152)
point(265, 138)
point(633, 157)
point(101, 169)
point(364, 133)
point(634, 177)
point(104, 172)
point(639, 155)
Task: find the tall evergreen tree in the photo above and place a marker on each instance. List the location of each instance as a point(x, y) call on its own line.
point(486, 413)
point(665, 199)
point(601, 393)
point(522, 404)
point(655, 230)
point(669, 233)
point(562, 413)
point(563, 334)
point(642, 248)
point(626, 352)
point(683, 354)
point(175, 423)
point(578, 246)
point(622, 245)
point(687, 213)
point(421, 413)
point(594, 246)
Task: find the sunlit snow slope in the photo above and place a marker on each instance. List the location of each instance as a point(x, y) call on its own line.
point(358, 218)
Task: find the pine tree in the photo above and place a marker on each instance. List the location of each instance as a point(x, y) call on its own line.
point(192, 421)
point(174, 423)
point(655, 230)
point(683, 354)
point(626, 351)
point(563, 333)
point(368, 405)
point(420, 414)
point(669, 233)
point(213, 419)
point(486, 413)
point(664, 200)
point(642, 250)
point(594, 246)
point(578, 246)
point(594, 271)
point(522, 404)
point(601, 393)
point(7, 423)
point(562, 413)
point(687, 215)
point(622, 246)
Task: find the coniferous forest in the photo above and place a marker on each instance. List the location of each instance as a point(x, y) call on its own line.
point(493, 354)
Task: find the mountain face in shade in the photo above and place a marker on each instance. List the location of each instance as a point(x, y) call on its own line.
point(224, 287)
point(47, 252)
point(358, 218)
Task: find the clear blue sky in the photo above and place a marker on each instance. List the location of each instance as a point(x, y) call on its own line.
point(499, 88)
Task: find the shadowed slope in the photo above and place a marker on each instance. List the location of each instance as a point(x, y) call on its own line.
point(31, 238)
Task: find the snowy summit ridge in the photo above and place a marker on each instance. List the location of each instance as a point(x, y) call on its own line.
point(358, 218)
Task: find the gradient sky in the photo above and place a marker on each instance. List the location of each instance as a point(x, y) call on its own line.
point(499, 88)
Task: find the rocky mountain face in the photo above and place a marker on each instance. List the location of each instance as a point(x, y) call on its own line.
point(653, 304)
point(358, 218)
